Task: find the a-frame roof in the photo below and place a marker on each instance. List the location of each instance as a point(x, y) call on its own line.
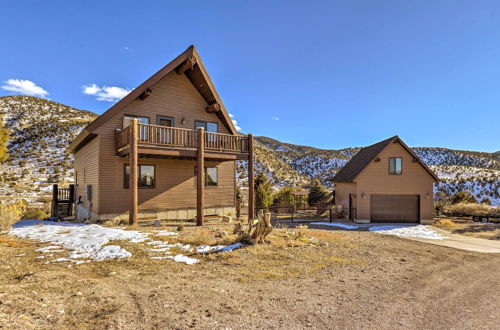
point(197, 75)
point(367, 154)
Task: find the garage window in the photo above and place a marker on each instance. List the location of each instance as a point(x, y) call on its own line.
point(395, 166)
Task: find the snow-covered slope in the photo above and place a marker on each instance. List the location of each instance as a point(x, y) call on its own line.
point(41, 130)
point(477, 172)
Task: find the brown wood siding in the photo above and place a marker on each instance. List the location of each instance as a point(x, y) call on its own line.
point(342, 191)
point(414, 180)
point(86, 163)
point(175, 187)
point(176, 97)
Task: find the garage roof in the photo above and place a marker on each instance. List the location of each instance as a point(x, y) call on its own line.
point(367, 154)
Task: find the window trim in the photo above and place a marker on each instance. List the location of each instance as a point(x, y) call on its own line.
point(126, 182)
point(206, 122)
point(395, 172)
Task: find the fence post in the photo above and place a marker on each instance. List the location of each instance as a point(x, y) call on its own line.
point(54, 200)
point(71, 198)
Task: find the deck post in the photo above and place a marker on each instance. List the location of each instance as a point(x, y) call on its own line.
point(200, 178)
point(133, 174)
point(251, 187)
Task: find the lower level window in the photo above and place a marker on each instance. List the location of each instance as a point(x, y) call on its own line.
point(211, 175)
point(146, 176)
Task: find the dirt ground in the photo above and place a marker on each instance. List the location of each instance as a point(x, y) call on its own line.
point(355, 280)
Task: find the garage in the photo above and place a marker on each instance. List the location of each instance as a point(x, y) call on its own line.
point(394, 208)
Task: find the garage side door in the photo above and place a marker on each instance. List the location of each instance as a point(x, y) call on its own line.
point(394, 208)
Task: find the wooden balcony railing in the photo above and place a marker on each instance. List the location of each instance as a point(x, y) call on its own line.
point(181, 138)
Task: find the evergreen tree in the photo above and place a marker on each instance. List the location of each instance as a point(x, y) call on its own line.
point(263, 191)
point(4, 139)
point(316, 192)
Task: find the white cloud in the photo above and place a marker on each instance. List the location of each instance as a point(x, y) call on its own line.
point(235, 122)
point(128, 49)
point(106, 93)
point(26, 87)
point(275, 118)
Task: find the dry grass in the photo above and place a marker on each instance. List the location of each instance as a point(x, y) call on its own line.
point(10, 213)
point(472, 209)
point(444, 223)
point(477, 230)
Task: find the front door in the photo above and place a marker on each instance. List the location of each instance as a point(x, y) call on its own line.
point(353, 207)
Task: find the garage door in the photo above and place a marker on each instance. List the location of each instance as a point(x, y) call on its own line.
point(394, 208)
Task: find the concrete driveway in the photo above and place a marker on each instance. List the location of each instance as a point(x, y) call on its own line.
point(463, 242)
point(456, 241)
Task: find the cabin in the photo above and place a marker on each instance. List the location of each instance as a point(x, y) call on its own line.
point(386, 182)
point(167, 150)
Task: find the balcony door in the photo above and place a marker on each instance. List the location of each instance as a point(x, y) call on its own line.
point(165, 136)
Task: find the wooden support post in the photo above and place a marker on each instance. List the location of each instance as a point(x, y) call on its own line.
point(200, 178)
point(251, 187)
point(133, 173)
point(54, 201)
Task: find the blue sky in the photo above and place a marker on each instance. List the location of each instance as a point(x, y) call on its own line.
point(330, 74)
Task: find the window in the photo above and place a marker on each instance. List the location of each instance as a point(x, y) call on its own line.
point(395, 166)
point(209, 127)
point(211, 176)
point(141, 120)
point(143, 131)
point(146, 176)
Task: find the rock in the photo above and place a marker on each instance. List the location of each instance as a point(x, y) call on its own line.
point(156, 223)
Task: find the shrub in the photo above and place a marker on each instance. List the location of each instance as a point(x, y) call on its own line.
point(486, 201)
point(463, 197)
point(263, 191)
point(10, 213)
point(34, 214)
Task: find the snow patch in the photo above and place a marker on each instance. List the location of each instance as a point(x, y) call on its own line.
point(83, 241)
point(184, 259)
point(419, 231)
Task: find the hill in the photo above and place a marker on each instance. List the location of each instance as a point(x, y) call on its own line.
point(41, 130)
point(477, 172)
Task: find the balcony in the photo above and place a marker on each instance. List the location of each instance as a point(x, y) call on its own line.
point(163, 141)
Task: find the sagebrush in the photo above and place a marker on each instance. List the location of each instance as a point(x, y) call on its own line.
point(472, 209)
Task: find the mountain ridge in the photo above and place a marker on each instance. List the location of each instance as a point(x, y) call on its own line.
point(41, 131)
